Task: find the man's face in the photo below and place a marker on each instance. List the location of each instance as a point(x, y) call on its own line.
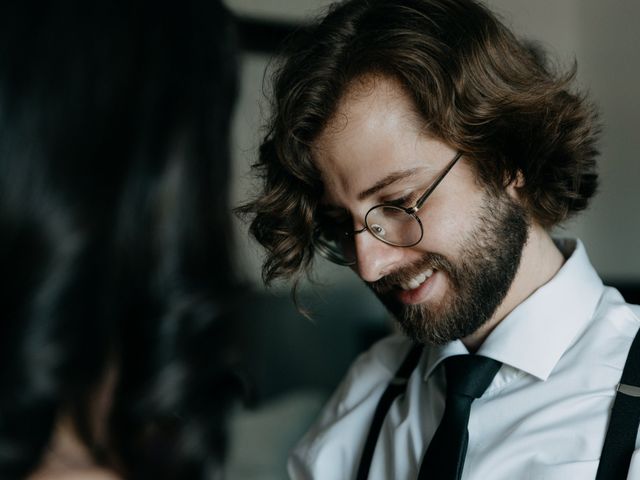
point(450, 283)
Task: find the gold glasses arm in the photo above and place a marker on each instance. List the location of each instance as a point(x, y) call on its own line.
point(435, 183)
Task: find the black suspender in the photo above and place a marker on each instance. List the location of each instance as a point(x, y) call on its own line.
point(620, 441)
point(397, 386)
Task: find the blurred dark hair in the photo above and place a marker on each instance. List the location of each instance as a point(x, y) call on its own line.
point(475, 86)
point(114, 244)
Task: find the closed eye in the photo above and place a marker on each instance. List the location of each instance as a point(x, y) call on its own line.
point(405, 201)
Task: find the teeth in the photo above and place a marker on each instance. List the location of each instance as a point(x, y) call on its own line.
point(416, 281)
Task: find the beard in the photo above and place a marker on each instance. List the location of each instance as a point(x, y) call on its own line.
point(479, 278)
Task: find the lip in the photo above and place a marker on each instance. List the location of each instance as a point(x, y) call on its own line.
point(420, 294)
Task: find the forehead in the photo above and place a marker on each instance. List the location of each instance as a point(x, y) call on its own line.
point(375, 132)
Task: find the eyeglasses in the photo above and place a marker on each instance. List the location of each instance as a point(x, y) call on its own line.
point(392, 224)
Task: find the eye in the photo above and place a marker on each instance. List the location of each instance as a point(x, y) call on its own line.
point(378, 230)
point(404, 201)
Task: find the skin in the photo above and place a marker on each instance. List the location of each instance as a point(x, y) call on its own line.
point(66, 456)
point(69, 459)
point(375, 133)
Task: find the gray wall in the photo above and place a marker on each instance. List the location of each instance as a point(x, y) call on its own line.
point(602, 36)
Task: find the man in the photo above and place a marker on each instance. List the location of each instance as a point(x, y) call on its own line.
point(420, 143)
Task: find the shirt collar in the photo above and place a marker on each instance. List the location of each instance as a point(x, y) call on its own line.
point(535, 335)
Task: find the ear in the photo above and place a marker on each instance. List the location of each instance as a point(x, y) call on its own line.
point(515, 185)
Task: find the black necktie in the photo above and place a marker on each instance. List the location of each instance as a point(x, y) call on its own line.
point(468, 376)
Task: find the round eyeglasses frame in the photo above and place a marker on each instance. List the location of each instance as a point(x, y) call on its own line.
point(330, 254)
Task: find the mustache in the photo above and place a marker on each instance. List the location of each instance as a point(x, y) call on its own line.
point(432, 261)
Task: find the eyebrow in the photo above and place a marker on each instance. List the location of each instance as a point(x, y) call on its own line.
point(386, 181)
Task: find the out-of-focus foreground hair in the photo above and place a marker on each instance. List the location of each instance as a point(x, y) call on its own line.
point(474, 85)
point(114, 248)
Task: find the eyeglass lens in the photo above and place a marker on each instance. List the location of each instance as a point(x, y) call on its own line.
point(393, 225)
point(388, 223)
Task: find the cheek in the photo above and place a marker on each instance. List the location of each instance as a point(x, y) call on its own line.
point(445, 228)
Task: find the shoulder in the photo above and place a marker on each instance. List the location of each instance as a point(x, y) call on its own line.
point(635, 310)
point(329, 448)
point(373, 369)
point(616, 312)
point(607, 340)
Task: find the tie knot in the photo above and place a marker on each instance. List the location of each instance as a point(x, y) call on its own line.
point(469, 375)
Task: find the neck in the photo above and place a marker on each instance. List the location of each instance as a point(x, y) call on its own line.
point(539, 263)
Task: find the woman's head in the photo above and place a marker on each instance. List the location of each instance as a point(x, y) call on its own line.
point(113, 210)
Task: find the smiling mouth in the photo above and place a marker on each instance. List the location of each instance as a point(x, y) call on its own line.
point(416, 280)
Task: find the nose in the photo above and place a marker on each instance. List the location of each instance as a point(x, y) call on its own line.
point(374, 259)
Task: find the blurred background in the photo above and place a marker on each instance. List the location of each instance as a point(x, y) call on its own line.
point(296, 362)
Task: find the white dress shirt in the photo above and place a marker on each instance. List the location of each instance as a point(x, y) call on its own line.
point(544, 415)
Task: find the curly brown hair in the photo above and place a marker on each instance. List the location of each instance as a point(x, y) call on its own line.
point(475, 86)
